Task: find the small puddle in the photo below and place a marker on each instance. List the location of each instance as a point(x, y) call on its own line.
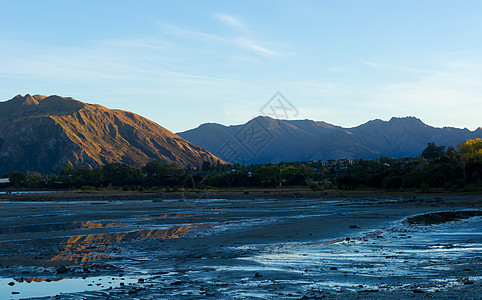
point(20, 288)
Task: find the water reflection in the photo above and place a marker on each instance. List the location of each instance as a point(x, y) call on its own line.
point(84, 249)
point(31, 288)
point(58, 226)
point(180, 215)
point(37, 279)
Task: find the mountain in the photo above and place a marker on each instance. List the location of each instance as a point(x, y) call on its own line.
point(41, 134)
point(264, 140)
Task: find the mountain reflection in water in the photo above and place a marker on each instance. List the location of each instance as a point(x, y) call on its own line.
point(58, 226)
point(173, 232)
point(83, 249)
point(37, 279)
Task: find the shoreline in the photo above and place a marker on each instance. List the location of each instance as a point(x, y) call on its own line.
point(232, 194)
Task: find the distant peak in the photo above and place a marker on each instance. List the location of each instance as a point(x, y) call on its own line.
point(377, 121)
point(25, 100)
point(39, 97)
point(28, 99)
point(263, 118)
point(409, 118)
point(38, 106)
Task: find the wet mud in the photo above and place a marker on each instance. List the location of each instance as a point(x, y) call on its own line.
point(327, 247)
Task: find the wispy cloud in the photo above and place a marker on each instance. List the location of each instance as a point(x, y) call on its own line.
point(230, 20)
point(180, 32)
point(130, 60)
point(236, 40)
point(257, 48)
point(146, 43)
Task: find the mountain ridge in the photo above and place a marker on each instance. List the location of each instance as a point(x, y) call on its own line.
point(303, 140)
point(40, 133)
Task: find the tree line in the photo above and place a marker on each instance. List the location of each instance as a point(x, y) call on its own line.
point(436, 168)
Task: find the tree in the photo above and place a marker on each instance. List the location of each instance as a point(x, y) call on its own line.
point(206, 166)
point(267, 176)
point(471, 150)
point(432, 152)
point(17, 179)
point(157, 173)
point(34, 181)
point(121, 174)
point(471, 153)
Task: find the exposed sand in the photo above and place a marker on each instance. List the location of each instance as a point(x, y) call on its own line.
point(235, 245)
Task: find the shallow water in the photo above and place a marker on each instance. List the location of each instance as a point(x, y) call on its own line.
point(385, 259)
point(28, 192)
point(44, 287)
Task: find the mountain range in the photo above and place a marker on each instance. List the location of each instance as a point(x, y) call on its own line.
point(267, 140)
point(42, 134)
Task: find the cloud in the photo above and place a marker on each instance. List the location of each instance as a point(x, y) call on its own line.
point(257, 48)
point(146, 43)
point(180, 32)
point(229, 20)
point(110, 60)
point(233, 41)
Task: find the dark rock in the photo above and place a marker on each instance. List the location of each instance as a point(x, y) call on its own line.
point(257, 275)
point(179, 282)
point(62, 270)
point(140, 280)
point(333, 268)
point(354, 226)
point(418, 291)
point(11, 283)
point(15, 293)
point(368, 291)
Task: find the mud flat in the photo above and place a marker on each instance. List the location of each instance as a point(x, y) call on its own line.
point(258, 246)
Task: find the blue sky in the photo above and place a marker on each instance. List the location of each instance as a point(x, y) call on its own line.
point(184, 63)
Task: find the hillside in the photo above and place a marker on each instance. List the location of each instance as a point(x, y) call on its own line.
point(41, 134)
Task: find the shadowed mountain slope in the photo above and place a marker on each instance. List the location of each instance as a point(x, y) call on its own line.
point(263, 139)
